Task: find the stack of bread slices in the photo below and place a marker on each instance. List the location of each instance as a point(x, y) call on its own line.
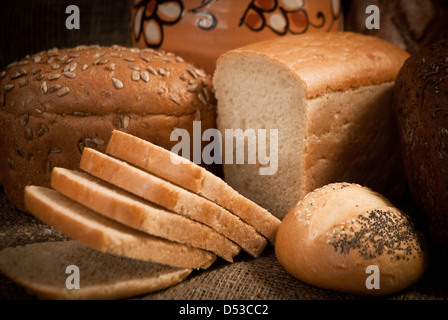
point(144, 202)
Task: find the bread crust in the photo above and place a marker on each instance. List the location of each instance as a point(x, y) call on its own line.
point(187, 174)
point(136, 213)
point(335, 61)
point(333, 234)
point(173, 198)
point(41, 127)
point(105, 235)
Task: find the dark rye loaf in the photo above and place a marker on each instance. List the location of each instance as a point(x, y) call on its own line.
point(55, 103)
point(421, 105)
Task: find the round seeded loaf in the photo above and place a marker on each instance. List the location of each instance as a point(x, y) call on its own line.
point(337, 234)
point(55, 103)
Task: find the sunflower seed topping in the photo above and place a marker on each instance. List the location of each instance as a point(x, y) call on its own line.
point(52, 52)
point(54, 88)
point(201, 98)
point(200, 73)
point(8, 87)
point(55, 66)
point(62, 58)
point(53, 76)
point(192, 87)
point(23, 83)
point(64, 91)
point(130, 59)
point(84, 67)
point(71, 67)
point(126, 121)
point(135, 76)
point(179, 59)
point(192, 72)
point(99, 54)
point(70, 75)
point(2, 74)
point(110, 67)
point(99, 62)
point(134, 67)
point(145, 76)
point(152, 70)
point(24, 119)
point(43, 87)
point(161, 71)
point(15, 76)
point(117, 83)
point(206, 95)
point(144, 58)
point(99, 142)
point(42, 130)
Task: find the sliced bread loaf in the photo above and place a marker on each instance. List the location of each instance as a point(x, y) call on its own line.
point(137, 213)
point(106, 235)
point(329, 97)
point(174, 198)
point(191, 176)
point(41, 269)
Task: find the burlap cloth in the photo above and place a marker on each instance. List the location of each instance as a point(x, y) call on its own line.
point(245, 279)
point(31, 26)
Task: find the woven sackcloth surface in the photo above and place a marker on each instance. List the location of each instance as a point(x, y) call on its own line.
point(247, 278)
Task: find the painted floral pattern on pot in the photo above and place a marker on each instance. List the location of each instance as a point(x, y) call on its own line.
point(283, 16)
point(201, 30)
point(150, 17)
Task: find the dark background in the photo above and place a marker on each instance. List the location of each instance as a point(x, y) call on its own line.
point(29, 26)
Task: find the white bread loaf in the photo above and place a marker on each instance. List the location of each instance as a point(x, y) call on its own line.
point(192, 177)
point(105, 235)
point(174, 198)
point(41, 269)
point(136, 213)
point(329, 96)
point(332, 236)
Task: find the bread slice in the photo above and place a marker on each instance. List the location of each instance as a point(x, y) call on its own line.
point(41, 269)
point(174, 198)
point(329, 97)
point(106, 235)
point(134, 212)
point(191, 176)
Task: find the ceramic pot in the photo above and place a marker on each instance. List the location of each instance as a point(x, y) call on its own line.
point(201, 30)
